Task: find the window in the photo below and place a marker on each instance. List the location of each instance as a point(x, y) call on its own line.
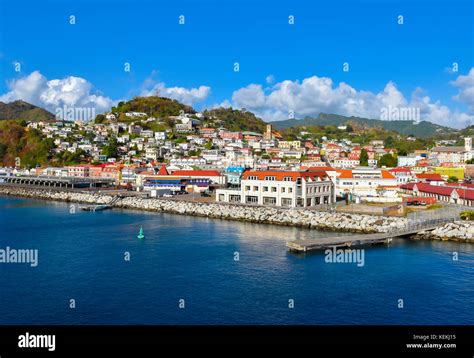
point(270, 178)
point(265, 188)
point(286, 202)
point(287, 179)
point(283, 189)
point(251, 199)
point(255, 188)
point(247, 187)
point(269, 201)
point(290, 190)
point(234, 198)
point(274, 189)
point(252, 177)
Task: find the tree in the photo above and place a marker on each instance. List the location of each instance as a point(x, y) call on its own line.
point(100, 118)
point(364, 158)
point(388, 160)
point(402, 152)
point(389, 142)
point(111, 149)
point(453, 179)
point(470, 161)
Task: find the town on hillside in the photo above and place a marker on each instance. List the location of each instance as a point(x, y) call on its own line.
point(200, 156)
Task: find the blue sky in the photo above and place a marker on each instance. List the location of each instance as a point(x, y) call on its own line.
point(256, 34)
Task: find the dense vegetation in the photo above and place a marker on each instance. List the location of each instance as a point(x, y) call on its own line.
point(16, 141)
point(159, 107)
point(234, 119)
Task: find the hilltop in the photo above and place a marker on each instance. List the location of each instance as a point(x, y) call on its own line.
point(21, 110)
point(423, 129)
point(236, 119)
point(159, 107)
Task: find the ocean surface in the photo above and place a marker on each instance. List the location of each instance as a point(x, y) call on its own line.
point(191, 262)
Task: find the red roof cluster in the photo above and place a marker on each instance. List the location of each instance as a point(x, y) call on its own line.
point(280, 175)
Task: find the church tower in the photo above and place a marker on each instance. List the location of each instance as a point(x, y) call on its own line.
point(467, 144)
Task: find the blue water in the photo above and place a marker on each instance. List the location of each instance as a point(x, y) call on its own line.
point(81, 257)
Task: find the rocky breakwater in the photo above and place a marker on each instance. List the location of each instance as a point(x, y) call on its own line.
point(268, 215)
point(462, 231)
point(256, 214)
point(68, 196)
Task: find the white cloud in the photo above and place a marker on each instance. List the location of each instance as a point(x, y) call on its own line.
point(71, 92)
point(189, 96)
point(316, 94)
point(465, 84)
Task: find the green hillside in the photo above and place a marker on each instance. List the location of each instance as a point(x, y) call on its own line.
point(235, 119)
point(20, 110)
point(159, 107)
point(423, 129)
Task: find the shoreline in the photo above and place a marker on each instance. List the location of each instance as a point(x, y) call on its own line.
point(305, 218)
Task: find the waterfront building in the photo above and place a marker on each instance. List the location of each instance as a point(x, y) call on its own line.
point(363, 182)
point(443, 193)
point(281, 188)
point(78, 171)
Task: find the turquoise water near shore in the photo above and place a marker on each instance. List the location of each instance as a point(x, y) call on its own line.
point(81, 257)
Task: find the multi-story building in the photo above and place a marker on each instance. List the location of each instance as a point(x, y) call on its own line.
point(363, 182)
point(294, 144)
point(78, 171)
point(281, 188)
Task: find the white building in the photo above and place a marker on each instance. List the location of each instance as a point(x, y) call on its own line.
point(281, 188)
point(364, 182)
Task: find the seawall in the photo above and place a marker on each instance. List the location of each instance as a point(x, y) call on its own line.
point(323, 220)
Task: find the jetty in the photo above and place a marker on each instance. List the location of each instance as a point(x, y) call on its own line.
point(357, 240)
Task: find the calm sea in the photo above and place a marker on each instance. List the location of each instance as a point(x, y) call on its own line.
point(192, 262)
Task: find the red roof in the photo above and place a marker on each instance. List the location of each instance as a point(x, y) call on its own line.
point(440, 190)
point(387, 175)
point(197, 173)
point(163, 171)
point(430, 176)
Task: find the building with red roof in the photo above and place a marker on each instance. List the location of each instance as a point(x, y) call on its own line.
point(365, 182)
point(281, 188)
point(447, 194)
point(433, 178)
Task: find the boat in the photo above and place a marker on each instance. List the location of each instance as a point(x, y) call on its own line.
point(141, 235)
point(96, 207)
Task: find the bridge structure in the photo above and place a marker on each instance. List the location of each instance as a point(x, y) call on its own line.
point(57, 182)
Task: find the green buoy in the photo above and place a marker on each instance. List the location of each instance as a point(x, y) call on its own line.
point(141, 236)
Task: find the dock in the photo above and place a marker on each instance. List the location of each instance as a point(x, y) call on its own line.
point(354, 240)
